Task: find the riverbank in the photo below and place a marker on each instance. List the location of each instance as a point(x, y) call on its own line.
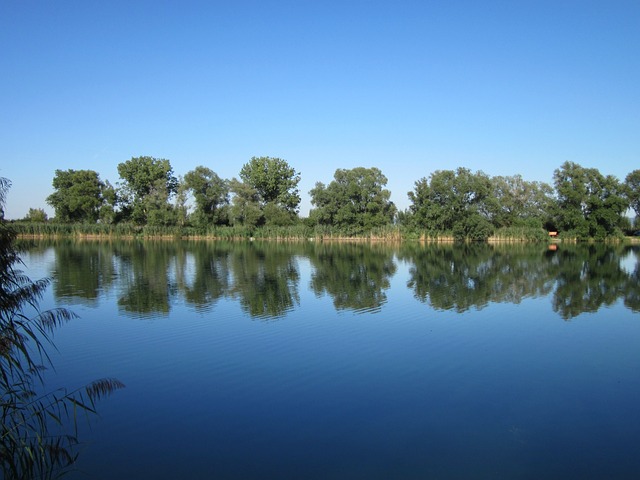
point(389, 234)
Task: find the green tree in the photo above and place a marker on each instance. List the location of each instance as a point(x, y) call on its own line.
point(276, 185)
point(78, 195)
point(245, 205)
point(181, 208)
point(632, 191)
point(211, 195)
point(147, 186)
point(518, 202)
point(454, 202)
point(30, 443)
point(355, 200)
point(588, 203)
point(37, 215)
point(108, 212)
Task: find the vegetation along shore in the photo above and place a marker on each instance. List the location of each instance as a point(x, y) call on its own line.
point(150, 201)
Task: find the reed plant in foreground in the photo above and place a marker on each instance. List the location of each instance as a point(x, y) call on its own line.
point(30, 447)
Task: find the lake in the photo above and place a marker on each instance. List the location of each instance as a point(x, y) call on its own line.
point(347, 361)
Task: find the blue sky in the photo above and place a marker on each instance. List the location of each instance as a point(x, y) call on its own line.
point(410, 87)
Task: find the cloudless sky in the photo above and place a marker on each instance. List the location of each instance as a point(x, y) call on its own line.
point(506, 87)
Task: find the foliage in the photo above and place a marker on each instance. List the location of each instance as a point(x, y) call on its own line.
point(148, 183)
point(517, 202)
point(589, 205)
point(79, 195)
point(355, 200)
point(454, 201)
point(37, 215)
point(632, 191)
point(245, 209)
point(211, 195)
point(274, 181)
point(270, 186)
point(448, 204)
point(28, 447)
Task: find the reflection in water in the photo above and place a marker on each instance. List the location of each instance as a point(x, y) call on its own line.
point(591, 276)
point(264, 277)
point(83, 270)
point(459, 277)
point(354, 275)
point(146, 287)
point(579, 278)
point(203, 276)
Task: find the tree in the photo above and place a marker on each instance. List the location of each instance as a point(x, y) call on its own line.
point(108, 212)
point(78, 195)
point(211, 194)
point(36, 215)
point(276, 184)
point(29, 446)
point(181, 208)
point(517, 202)
point(245, 209)
point(148, 183)
point(454, 202)
point(355, 200)
point(632, 191)
point(589, 205)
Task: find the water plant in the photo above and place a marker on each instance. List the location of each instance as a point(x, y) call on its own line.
point(38, 433)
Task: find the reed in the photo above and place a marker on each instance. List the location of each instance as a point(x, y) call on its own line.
point(519, 234)
point(29, 446)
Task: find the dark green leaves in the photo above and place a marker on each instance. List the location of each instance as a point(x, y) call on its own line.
point(355, 200)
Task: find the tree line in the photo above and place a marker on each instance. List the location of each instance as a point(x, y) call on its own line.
point(581, 203)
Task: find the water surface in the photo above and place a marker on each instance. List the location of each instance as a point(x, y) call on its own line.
point(266, 360)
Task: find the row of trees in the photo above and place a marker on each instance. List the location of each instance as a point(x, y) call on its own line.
point(460, 202)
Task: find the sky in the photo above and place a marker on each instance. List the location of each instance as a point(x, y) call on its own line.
point(410, 87)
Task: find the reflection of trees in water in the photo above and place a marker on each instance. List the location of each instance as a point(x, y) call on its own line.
point(632, 290)
point(580, 278)
point(203, 273)
point(144, 276)
point(589, 277)
point(354, 275)
point(265, 278)
point(82, 271)
point(458, 277)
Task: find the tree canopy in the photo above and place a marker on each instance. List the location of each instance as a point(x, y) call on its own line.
point(274, 181)
point(588, 203)
point(466, 205)
point(453, 201)
point(78, 195)
point(147, 185)
point(274, 190)
point(515, 201)
point(211, 195)
point(632, 191)
point(356, 199)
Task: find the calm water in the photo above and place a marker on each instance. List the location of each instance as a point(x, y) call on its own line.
point(318, 361)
